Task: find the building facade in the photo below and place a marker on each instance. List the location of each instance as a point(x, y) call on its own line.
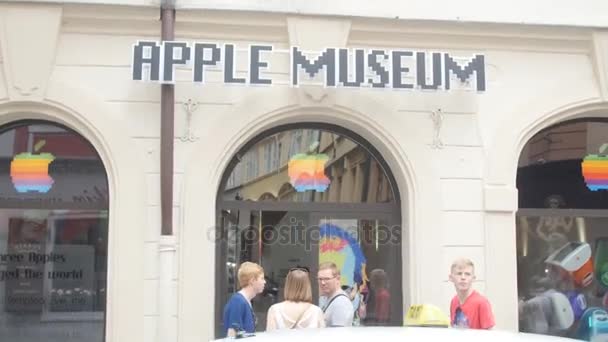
point(476, 157)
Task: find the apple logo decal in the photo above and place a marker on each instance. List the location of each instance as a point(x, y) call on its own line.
point(30, 172)
point(307, 172)
point(595, 170)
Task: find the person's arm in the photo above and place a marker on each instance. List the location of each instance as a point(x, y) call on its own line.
point(270, 320)
point(234, 317)
point(486, 317)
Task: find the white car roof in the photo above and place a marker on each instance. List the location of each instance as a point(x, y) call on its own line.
point(401, 334)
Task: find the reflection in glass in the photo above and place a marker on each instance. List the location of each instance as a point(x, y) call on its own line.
point(549, 173)
point(354, 175)
point(53, 239)
point(561, 260)
point(281, 195)
point(562, 255)
point(281, 240)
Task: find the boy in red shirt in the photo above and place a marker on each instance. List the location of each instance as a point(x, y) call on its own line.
point(468, 308)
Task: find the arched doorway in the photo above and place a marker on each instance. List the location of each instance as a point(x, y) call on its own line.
point(562, 229)
point(53, 234)
point(279, 197)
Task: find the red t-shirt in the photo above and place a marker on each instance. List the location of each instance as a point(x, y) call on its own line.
point(474, 313)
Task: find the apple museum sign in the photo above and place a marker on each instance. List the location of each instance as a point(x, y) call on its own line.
point(341, 67)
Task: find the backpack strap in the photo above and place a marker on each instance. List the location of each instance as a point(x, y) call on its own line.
point(332, 300)
point(300, 317)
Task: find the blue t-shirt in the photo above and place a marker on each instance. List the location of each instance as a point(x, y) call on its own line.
point(238, 314)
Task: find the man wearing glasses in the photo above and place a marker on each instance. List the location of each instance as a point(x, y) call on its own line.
point(336, 305)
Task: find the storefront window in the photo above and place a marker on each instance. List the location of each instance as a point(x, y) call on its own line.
point(314, 184)
point(53, 235)
point(562, 231)
point(352, 173)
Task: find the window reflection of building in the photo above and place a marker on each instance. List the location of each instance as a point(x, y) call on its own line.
point(558, 211)
point(262, 173)
point(563, 142)
point(57, 239)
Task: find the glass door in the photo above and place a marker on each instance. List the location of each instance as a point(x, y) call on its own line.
point(362, 245)
point(277, 240)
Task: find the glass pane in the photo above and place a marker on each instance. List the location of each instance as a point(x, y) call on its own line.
point(562, 274)
point(308, 165)
point(53, 236)
point(277, 241)
point(362, 246)
point(565, 166)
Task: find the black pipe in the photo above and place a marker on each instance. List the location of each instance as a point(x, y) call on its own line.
point(167, 119)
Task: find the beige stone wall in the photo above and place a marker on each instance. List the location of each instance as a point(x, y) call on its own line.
point(541, 12)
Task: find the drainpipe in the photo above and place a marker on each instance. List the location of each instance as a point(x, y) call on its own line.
point(167, 322)
point(167, 118)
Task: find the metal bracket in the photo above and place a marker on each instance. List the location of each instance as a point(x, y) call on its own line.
point(437, 117)
point(190, 107)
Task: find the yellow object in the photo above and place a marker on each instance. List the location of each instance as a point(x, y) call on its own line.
point(426, 315)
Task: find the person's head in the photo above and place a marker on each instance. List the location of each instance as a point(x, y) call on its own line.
point(462, 274)
point(297, 285)
point(378, 279)
point(251, 275)
point(329, 278)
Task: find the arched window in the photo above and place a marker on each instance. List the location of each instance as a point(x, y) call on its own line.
point(53, 235)
point(562, 230)
point(313, 182)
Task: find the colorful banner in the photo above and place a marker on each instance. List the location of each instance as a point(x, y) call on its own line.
point(337, 245)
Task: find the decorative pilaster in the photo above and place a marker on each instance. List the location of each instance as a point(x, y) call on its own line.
point(600, 60)
point(28, 38)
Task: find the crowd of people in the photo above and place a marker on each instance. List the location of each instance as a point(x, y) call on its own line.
point(337, 307)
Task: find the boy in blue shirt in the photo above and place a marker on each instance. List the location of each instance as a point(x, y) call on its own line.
point(238, 313)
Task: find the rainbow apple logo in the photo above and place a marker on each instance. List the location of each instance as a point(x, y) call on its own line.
point(307, 172)
point(595, 170)
point(30, 172)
